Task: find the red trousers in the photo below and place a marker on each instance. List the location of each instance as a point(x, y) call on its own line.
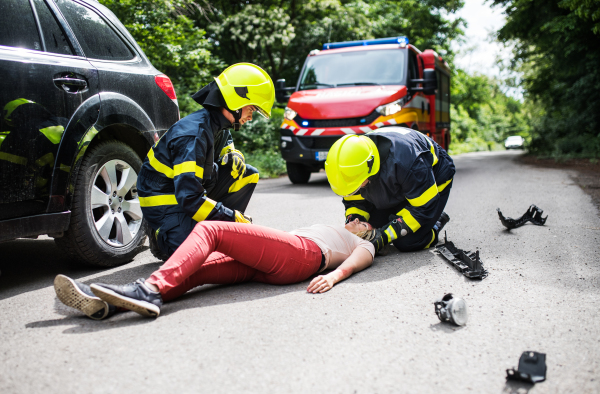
point(226, 253)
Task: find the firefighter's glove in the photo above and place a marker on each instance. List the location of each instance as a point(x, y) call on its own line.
point(389, 233)
point(236, 160)
point(353, 216)
point(241, 218)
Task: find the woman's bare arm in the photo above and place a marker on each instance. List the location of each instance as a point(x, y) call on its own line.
point(360, 259)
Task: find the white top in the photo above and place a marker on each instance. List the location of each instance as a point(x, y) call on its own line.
point(336, 243)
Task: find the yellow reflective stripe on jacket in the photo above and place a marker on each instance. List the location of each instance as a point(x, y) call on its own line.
point(409, 220)
point(240, 183)
point(226, 150)
point(186, 167)
point(425, 197)
point(443, 185)
point(156, 201)
point(354, 210)
point(430, 242)
point(432, 150)
point(205, 209)
point(13, 158)
point(158, 166)
point(391, 234)
point(53, 133)
point(356, 197)
point(47, 159)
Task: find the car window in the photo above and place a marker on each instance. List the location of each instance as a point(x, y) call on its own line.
point(97, 39)
point(17, 25)
point(55, 39)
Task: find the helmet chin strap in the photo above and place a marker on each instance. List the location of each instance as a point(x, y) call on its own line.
point(237, 115)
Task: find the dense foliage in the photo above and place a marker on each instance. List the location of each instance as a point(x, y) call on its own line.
point(558, 50)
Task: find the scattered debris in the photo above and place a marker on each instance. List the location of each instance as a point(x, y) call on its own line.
point(466, 262)
point(452, 309)
point(532, 368)
point(533, 215)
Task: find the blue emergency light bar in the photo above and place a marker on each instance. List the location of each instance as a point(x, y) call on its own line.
point(403, 41)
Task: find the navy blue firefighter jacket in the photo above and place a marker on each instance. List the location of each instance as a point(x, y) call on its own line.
point(414, 170)
point(181, 166)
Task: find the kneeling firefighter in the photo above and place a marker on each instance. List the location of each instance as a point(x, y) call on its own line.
point(194, 173)
point(398, 180)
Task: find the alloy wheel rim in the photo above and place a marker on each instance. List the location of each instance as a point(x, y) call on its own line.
point(115, 207)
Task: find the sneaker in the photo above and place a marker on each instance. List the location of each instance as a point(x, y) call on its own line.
point(77, 295)
point(135, 296)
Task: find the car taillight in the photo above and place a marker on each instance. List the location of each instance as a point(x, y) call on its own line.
point(165, 84)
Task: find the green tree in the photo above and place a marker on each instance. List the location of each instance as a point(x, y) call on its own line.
point(167, 34)
point(558, 50)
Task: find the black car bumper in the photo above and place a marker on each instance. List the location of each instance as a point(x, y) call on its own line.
point(310, 151)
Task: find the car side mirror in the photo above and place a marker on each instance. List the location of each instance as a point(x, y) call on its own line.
point(429, 81)
point(281, 91)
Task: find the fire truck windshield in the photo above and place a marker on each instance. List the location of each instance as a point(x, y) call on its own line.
point(368, 67)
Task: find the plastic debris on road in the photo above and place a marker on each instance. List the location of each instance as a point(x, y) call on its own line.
point(532, 368)
point(533, 215)
point(468, 263)
point(452, 309)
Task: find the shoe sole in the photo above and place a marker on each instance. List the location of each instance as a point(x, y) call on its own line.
point(69, 294)
point(142, 307)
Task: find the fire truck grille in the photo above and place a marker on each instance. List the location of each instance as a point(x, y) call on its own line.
point(348, 122)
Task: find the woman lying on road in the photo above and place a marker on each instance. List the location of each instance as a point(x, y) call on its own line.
point(226, 253)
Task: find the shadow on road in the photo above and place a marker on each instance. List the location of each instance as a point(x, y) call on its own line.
point(514, 387)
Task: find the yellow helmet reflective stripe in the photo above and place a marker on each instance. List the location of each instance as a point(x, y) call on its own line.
point(247, 84)
point(350, 161)
point(12, 105)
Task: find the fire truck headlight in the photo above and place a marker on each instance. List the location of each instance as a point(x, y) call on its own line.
point(390, 109)
point(289, 113)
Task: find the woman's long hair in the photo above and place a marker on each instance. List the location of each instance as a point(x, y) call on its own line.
point(367, 234)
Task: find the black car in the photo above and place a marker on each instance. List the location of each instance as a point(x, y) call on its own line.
point(81, 106)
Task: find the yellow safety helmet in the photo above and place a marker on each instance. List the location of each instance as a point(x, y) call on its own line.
point(11, 106)
point(350, 161)
point(247, 84)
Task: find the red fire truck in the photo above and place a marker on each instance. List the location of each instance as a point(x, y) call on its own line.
point(356, 87)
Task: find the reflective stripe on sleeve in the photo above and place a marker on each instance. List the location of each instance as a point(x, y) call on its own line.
point(391, 234)
point(432, 150)
point(443, 185)
point(205, 209)
point(409, 220)
point(158, 166)
point(354, 210)
point(156, 201)
point(47, 159)
point(186, 167)
point(430, 242)
point(356, 197)
point(425, 197)
point(240, 183)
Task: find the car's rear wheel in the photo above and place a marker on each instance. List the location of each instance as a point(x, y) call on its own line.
point(107, 226)
point(298, 173)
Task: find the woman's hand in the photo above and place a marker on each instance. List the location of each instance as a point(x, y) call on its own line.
point(321, 284)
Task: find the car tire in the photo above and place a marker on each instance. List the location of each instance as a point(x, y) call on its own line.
point(107, 226)
point(298, 173)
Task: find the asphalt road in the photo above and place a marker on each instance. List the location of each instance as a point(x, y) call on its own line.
point(374, 333)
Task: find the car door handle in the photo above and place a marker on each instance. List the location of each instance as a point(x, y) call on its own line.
point(71, 85)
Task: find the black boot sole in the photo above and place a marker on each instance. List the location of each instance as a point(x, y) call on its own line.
point(69, 294)
point(138, 306)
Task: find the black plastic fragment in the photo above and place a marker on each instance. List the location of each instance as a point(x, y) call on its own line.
point(468, 263)
point(533, 215)
point(532, 368)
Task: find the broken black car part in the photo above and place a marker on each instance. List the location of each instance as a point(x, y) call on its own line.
point(452, 309)
point(533, 215)
point(466, 262)
point(532, 368)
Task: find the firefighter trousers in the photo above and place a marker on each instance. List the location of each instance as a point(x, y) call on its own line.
point(234, 194)
point(425, 236)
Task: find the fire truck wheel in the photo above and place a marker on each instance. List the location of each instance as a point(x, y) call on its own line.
point(298, 173)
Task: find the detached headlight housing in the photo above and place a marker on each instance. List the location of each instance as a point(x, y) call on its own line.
point(390, 108)
point(452, 309)
point(289, 113)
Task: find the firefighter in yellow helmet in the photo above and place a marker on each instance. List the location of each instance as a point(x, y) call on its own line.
point(194, 172)
point(398, 180)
